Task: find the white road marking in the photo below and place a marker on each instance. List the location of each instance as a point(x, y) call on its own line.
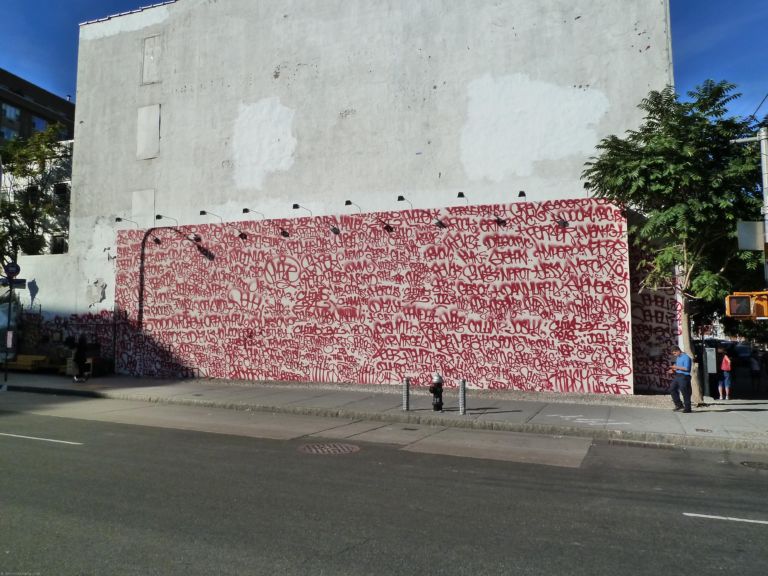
point(725, 518)
point(43, 439)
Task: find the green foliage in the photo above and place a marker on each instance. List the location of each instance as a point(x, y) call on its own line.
point(681, 172)
point(34, 205)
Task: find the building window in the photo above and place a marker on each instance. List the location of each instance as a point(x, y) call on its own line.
point(8, 133)
point(11, 113)
point(150, 69)
point(39, 124)
point(59, 245)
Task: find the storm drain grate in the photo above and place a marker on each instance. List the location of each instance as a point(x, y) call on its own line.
point(703, 430)
point(328, 448)
point(756, 465)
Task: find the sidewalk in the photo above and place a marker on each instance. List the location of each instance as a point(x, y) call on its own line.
point(732, 425)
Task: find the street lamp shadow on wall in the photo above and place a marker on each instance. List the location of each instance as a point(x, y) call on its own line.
point(386, 225)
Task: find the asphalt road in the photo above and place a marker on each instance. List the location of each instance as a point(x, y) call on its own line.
point(124, 499)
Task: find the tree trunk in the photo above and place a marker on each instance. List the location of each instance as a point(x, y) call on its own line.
point(697, 398)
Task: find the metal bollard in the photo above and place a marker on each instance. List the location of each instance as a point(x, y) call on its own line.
point(462, 397)
point(406, 394)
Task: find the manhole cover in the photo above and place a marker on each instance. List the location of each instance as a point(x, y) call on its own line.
point(756, 465)
point(328, 448)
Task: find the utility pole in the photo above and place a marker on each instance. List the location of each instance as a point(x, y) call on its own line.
point(762, 137)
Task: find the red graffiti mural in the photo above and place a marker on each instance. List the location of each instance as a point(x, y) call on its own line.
point(528, 296)
point(98, 328)
point(656, 321)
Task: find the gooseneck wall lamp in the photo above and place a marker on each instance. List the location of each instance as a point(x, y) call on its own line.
point(350, 203)
point(206, 213)
point(251, 211)
point(155, 239)
point(162, 217)
point(297, 206)
point(240, 234)
point(402, 198)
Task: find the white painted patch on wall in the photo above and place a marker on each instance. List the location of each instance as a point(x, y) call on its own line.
point(125, 23)
point(513, 121)
point(263, 141)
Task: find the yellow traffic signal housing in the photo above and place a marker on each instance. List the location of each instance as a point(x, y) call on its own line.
point(747, 305)
point(760, 306)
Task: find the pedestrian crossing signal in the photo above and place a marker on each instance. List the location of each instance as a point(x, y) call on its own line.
point(747, 305)
point(738, 306)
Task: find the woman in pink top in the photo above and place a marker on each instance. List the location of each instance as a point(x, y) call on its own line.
point(724, 386)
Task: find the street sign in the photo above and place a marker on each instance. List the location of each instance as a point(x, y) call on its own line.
point(20, 283)
point(12, 269)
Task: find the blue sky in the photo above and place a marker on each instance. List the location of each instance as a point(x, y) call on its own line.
point(718, 39)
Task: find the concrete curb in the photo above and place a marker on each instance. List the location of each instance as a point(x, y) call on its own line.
point(55, 391)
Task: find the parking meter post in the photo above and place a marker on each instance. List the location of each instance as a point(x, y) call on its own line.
point(462, 397)
point(406, 394)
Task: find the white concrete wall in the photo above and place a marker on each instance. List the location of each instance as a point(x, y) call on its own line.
point(263, 104)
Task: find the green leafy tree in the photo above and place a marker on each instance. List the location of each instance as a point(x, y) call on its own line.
point(689, 183)
point(34, 204)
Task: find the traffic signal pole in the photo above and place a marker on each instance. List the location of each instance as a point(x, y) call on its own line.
point(762, 137)
point(8, 331)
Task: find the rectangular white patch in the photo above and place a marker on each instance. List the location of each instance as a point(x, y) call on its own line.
point(148, 132)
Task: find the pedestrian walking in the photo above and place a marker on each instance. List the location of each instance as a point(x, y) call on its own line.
point(436, 389)
point(681, 380)
point(80, 358)
point(724, 383)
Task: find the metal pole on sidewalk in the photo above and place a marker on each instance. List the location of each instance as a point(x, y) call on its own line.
point(8, 330)
point(406, 394)
point(462, 397)
point(762, 137)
